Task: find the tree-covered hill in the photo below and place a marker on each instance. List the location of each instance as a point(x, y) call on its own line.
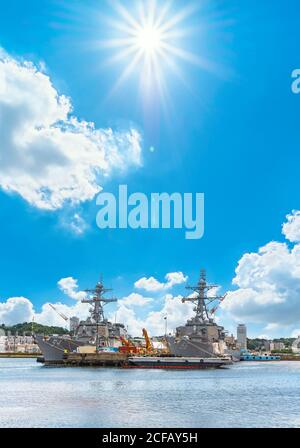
point(28, 327)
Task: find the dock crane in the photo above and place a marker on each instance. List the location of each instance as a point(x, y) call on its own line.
point(59, 313)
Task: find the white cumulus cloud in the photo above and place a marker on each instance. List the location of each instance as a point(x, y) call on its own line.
point(149, 284)
point(152, 284)
point(291, 228)
point(175, 278)
point(47, 155)
point(16, 310)
point(69, 286)
point(135, 299)
point(176, 311)
point(268, 283)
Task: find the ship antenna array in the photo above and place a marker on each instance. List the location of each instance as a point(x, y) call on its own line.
point(98, 301)
point(200, 297)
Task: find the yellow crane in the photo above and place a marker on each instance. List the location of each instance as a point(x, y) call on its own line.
point(149, 346)
point(128, 346)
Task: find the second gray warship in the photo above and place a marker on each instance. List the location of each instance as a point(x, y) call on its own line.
point(201, 336)
point(96, 332)
point(200, 343)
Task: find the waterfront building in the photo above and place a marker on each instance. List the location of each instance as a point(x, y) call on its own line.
point(296, 346)
point(267, 345)
point(20, 344)
point(277, 346)
point(2, 343)
point(242, 336)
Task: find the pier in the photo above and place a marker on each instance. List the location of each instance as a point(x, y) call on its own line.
point(19, 355)
point(102, 359)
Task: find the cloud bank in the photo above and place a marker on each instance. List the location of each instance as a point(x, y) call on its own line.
point(172, 307)
point(47, 155)
point(268, 282)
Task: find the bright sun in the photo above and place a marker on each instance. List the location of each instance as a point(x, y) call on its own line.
point(149, 39)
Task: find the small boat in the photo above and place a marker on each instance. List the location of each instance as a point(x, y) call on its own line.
point(250, 357)
point(176, 362)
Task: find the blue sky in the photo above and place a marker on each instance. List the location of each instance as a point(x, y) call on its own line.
point(230, 132)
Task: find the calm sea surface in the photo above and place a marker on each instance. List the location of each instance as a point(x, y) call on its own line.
point(246, 395)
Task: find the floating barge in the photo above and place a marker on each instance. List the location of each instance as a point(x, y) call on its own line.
point(176, 362)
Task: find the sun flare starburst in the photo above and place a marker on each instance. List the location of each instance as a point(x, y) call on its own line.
point(148, 40)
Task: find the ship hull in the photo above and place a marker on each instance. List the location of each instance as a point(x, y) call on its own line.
point(195, 347)
point(187, 347)
point(54, 349)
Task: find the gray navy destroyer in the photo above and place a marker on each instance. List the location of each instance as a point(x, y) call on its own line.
point(200, 343)
point(201, 335)
point(96, 332)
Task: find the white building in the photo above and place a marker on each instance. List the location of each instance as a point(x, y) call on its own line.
point(19, 344)
point(296, 345)
point(3, 343)
point(241, 336)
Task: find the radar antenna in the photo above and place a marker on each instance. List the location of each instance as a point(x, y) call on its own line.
point(98, 301)
point(200, 298)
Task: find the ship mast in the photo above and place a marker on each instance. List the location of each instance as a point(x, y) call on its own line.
point(200, 297)
point(97, 301)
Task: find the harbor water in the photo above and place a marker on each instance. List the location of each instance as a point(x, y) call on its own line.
point(248, 394)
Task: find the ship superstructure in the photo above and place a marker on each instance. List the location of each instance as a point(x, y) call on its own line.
point(97, 329)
